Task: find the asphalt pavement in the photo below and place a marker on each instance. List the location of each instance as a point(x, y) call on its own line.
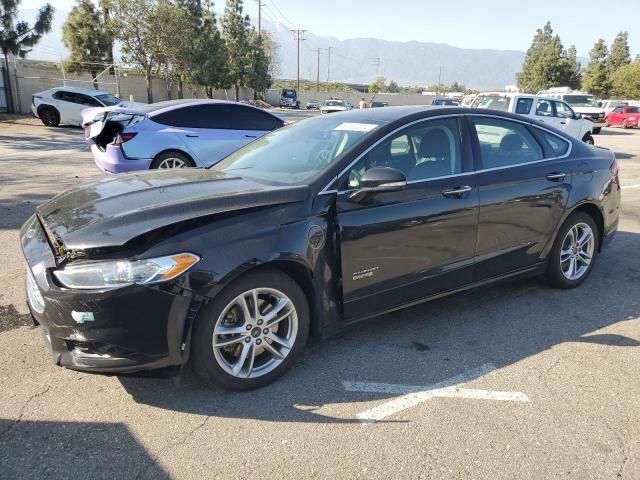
point(517, 380)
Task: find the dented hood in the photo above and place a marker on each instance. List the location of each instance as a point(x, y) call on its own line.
point(110, 211)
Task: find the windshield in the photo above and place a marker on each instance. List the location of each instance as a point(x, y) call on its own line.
point(581, 100)
point(289, 93)
point(297, 153)
point(334, 103)
point(493, 102)
point(108, 100)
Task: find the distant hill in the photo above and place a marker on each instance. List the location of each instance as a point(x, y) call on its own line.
point(353, 60)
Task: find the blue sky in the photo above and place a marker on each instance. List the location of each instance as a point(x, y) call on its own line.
point(497, 24)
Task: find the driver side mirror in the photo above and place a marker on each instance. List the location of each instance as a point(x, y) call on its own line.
point(377, 180)
point(577, 116)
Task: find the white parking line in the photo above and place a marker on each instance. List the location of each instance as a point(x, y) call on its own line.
point(411, 395)
point(628, 187)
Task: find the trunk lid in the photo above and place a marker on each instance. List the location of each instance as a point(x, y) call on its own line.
point(95, 119)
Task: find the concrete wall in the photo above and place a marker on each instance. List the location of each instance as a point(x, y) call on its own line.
point(29, 77)
point(394, 99)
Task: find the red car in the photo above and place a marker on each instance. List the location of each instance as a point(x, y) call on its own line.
point(626, 117)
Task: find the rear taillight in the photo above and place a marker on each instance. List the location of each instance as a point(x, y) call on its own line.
point(124, 137)
point(614, 167)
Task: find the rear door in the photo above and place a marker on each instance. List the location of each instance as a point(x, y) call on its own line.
point(70, 106)
point(250, 122)
point(397, 247)
point(524, 183)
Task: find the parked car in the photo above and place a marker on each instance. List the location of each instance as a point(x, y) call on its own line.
point(445, 102)
point(348, 104)
point(289, 98)
point(313, 105)
point(378, 104)
point(467, 100)
point(625, 117)
point(313, 227)
point(332, 105)
point(172, 134)
point(65, 104)
point(544, 110)
point(609, 105)
point(582, 103)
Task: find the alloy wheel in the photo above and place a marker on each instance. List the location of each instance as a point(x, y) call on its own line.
point(255, 332)
point(172, 162)
point(577, 251)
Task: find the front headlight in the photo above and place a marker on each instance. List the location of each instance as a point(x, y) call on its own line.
point(118, 273)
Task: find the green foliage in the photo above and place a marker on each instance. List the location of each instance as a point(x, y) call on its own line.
point(619, 55)
point(548, 64)
point(596, 76)
point(377, 86)
point(17, 37)
point(258, 77)
point(393, 87)
point(235, 34)
point(626, 81)
point(87, 38)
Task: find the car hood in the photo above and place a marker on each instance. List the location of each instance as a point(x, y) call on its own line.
point(112, 210)
point(588, 109)
point(333, 107)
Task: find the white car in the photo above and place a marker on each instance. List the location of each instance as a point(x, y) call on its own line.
point(583, 103)
point(334, 105)
point(65, 104)
point(610, 105)
point(549, 111)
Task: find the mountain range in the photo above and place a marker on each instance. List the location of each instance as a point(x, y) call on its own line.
point(357, 60)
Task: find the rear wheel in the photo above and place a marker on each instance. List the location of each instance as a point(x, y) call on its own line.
point(588, 139)
point(252, 332)
point(624, 124)
point(172, 160)
point(574, 252)
point(49, 116)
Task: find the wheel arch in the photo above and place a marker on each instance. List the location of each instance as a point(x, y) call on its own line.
point(44, 106)
point(594, 212)
point(174, 150)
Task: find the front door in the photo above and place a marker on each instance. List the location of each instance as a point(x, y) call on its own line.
point(567, 119)
point(398, 247)
point(523, 187)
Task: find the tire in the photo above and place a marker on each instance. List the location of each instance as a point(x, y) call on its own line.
point(165, 160)
point(588, 139)
point(49, 116)
point(597, 130)
point(559, 264)
point(606, 122)
point(624, 124)
point(216, 365)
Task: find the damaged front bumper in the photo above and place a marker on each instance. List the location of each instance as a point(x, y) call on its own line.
point(123, 329)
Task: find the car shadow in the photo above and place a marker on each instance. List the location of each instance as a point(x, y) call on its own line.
point(44, 449)
point(426, 344)
point(623, 156)
point(36, 143)
point(614, 131)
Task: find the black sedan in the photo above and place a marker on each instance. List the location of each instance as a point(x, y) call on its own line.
point(315, 226)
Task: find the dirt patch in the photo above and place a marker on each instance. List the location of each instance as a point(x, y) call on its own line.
point(10, 318)
point(19, 119)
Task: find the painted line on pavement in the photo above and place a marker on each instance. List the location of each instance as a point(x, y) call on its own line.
point(412, 395)
point(625, 187)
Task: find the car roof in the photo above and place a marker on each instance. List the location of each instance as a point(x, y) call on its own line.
point(161, 107)
point(86, 90)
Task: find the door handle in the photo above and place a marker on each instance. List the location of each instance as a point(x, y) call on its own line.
point(251, 136)
point(457, 192)
point(563, 123)
point(189, 135)
point(556, 176)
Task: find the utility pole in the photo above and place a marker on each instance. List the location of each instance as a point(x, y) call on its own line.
point(318, 77)
point(377, 64)
point(298, 36)
point(260, 5)
point(439, 78)
point(328, 65)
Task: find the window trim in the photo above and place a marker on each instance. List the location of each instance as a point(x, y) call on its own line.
point(465, 116)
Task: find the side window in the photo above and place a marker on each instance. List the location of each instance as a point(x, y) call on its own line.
point(248, 118)
point(563, 110)
point(523, 107)
point(618, 110)
point(504, 143)
point(544, 108)
point(557, 146)
point(428, 150)
point(181, 117)
point(89, 101)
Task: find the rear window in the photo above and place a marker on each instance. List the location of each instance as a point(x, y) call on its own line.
point(523, 107)
point(557, 146)
point(632, 109)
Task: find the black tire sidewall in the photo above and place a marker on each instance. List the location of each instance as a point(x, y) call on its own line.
point(554, 274)
point(202, 357)
point(164, 155)
point(55, 118)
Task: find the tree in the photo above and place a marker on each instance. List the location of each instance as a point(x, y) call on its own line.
point(235, 34)
point(626, 81)
point(258, 77)
point(87, 38)
point(619, 55)
point(596, 77)
point(377, 86)
point(573, 68)
point(132, 22)
point(17, 37)
point(393, 87)
point(547, 63)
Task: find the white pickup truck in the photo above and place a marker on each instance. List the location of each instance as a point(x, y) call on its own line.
point(544, 110)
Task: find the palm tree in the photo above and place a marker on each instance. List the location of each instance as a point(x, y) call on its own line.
point(17, 37)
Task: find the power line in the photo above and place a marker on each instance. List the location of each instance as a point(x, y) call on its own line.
point(298, 36)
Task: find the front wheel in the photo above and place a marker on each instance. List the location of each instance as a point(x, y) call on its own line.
point(588, 139)
point(252, 332)
point(49, 117)
point(574, 252)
